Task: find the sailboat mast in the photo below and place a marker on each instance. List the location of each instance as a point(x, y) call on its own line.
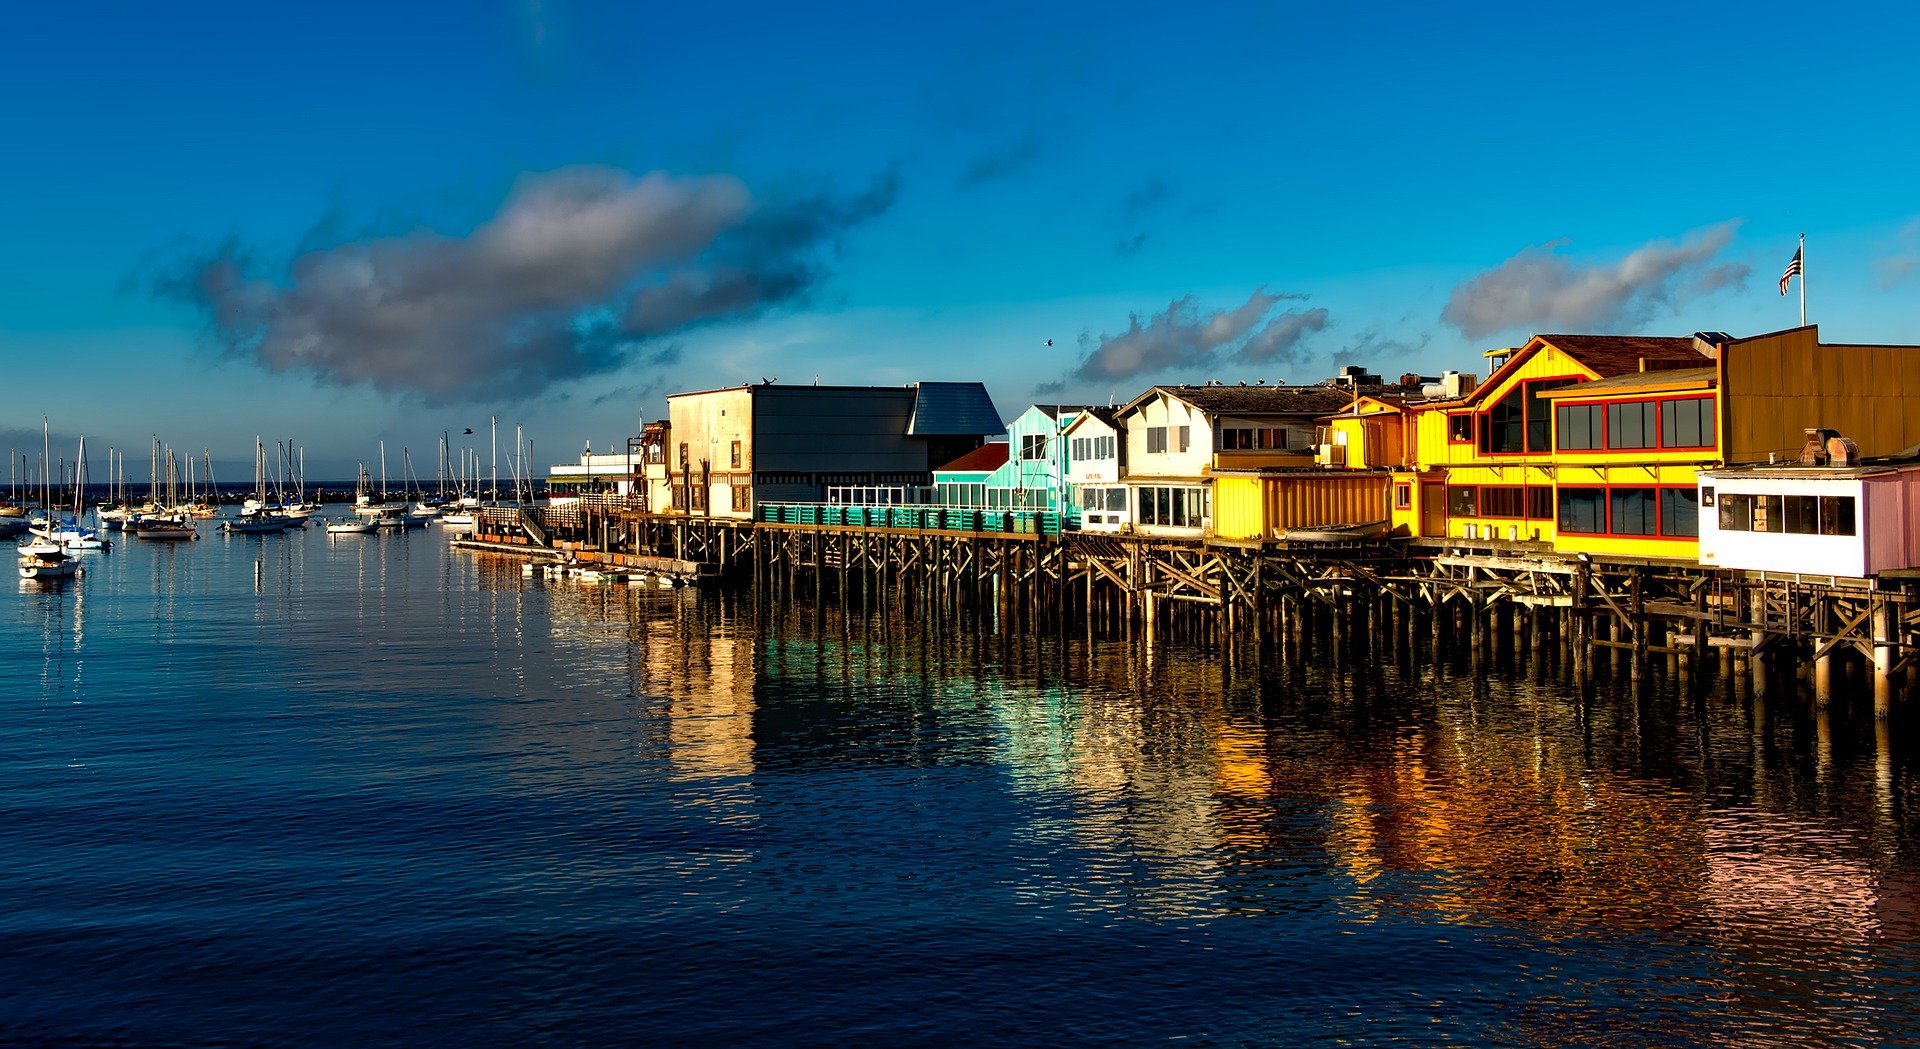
point(493, 434)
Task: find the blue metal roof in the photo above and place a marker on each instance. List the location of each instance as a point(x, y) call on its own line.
point(953, 409)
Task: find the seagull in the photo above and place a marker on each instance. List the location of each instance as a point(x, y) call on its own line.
point(1049, 342)
point(469, 430)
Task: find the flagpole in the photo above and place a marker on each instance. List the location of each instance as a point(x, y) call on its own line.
point(1803, 280)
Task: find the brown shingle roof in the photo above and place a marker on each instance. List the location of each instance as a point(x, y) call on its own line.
point(1262, 400)
point(1610, 355)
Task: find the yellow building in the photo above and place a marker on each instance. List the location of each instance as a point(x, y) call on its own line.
point(1593, 443)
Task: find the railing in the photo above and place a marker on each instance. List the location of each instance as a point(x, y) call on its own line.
point(921, 518)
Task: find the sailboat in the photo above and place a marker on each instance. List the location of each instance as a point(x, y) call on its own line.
point(262, 520)
point(45, 560)
point(70, 534)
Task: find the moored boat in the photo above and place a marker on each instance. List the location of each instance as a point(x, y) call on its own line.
point(348, 526)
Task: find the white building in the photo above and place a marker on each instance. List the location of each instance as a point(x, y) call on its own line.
point(1855, 521)
point(1177, 436)
point(1096, 466)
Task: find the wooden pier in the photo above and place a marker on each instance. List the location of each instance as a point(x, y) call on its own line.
point(1618, 618)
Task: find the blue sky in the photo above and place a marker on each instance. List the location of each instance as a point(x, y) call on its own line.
point(365, 222)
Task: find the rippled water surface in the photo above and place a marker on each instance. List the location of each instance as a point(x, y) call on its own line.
point(370, 791)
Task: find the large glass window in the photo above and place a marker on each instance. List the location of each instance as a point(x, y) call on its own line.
point(1580, 427)
point(1583, 510)
point(1504, 429)
point(1156, 440)
point(1033, 446)
point(1632, 511)
point(1463, 500)
point(1502, 500)
point(1687, 423)
point(1460, 428)
point(1679, 512)
point(1540, 502)
point(1630, 425)
point(1540, 413)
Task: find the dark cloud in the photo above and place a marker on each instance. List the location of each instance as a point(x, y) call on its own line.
point(1541, 290)
point(580, 271)
point(1131, 246)
point(1375, 345)
point(1183, 337)
point(1004, 160)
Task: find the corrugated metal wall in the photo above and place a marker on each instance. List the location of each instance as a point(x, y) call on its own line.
point(1265, 507)
point(1776, 386)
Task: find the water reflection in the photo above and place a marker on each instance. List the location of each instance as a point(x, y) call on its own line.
point(382, 743)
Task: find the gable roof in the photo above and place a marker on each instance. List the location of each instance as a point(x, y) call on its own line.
point(953, 409)
point(1110, 416)
point(984, 459)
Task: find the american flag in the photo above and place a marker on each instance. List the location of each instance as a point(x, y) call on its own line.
point(1793, 270)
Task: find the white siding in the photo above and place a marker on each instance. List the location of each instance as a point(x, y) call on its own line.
point(1836, 555)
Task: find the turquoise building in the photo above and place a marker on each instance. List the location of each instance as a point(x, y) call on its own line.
point(1027, 473)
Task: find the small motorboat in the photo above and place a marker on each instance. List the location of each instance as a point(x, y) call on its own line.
point(351, 527)
point(263, 523)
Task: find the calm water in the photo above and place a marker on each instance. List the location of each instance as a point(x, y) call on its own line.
point(370, 791)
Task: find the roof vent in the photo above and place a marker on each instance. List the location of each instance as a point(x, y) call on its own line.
point(1815, 453)
point(1841, 451)
point(1709, 342)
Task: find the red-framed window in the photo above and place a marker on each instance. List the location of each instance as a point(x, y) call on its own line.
point(1636, 425)
point(1521, 421)
point(1460, 427)
point(1629, 511)
point(1532, 502)
point(1403, 496)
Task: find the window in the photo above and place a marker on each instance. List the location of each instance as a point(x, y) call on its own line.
point(1177, 507)
point(1460, 428)
point(1502, 500)
point(1583, 510)
point(1766, 513)
point(697, 497)
point(679, 497)
point(1156, 440)
point(742, 495)
point(1106, 448)
point(1539, 502)
point(1463, 500)
point(1736, 513)
point(683, 455)
point(1504, 430)
point(1679, 512)
point(1687, 423)
point(1800, 514)
point(1836, 515)
point(1633, 511)
point(1540, 413)
point(1579, 427)
point(1077, 451)
point(1402, 497)
point(1630, 425)
point(736, 459)
point(1033, 446)
point(1186, 437)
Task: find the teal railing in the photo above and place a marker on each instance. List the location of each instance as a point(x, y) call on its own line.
point(919, 518)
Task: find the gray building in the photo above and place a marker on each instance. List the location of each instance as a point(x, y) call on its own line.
point(733, 448)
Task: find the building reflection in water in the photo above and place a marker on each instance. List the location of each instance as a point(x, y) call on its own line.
point(1165, 789)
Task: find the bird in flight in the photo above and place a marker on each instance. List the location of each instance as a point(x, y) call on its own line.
point(469, 430)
